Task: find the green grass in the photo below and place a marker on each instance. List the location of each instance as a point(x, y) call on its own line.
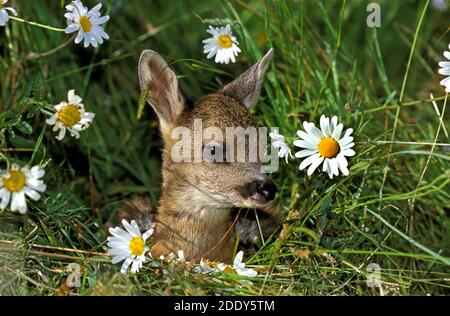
point(392, 210)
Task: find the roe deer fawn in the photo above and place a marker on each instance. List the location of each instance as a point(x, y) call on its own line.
point(197, 198)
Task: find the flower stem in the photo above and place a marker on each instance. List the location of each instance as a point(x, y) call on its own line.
point(48, 27)
point(5, 158)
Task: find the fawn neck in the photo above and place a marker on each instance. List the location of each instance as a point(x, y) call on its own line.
point(185, 222)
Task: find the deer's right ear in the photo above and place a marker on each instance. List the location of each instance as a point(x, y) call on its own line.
point(160, 81)
point(247, 87)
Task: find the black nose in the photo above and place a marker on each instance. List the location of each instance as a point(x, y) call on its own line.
point(259, 191)
point(267, 189)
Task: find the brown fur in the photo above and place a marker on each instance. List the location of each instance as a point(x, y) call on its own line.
point(195, 209)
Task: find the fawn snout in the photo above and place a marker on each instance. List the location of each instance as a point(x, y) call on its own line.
point(258, 191)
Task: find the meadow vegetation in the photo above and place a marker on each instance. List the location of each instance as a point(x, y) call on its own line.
point(392, 210)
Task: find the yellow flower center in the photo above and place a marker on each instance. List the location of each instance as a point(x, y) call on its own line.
point(86, 24)
point(69, 115)
point(328, 147)
point(224, 41)
point(137, 246)
point(15, 182)
point(229, 269)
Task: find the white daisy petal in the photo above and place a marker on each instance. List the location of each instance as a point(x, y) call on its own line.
point(62, 133)
point(325, 166)
point(73, 98)
point(447, 54)
point(135, 227)
point(137, 264)
point(117, 259)
point(342, 163)
point(312, 130)
point(345, 141)
point(347, 146)
point(130, 229)
point(100, 20)
point(37, 185)
point(32, 194)
point(14, 202)
point(348, 132)
point(118, 247)
point(444, 64)
point(305, 144)
point(72, 28)
point(6, 196)
point(128, 244)
point(445, 81)
point(305, 163)
point(334, 166)
point(87, 23)
point(147, 234)
point(4, 15)
point(325, 125)
point(19, 182)
point(302, 134)
point(329, 171)
point(314, 165)
point(337, 131)
point(327, 146)
point(238, 259)
point(37, 172)
point(305, 153)
point(445, 70)
point(119, 233)
point(21, 202)
point(239, 266)
point(125, 265)
point(71, 115)
point(12, 10)
point(279, 143)
point(223, 45)
point(333, 124)
point(79, 38)
point(348, 152)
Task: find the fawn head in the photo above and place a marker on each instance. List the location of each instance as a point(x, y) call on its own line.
point(218, 180)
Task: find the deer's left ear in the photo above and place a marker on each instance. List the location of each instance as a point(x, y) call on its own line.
point(247, 87)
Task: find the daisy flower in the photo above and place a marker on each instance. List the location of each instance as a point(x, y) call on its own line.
point(4, 15)
point(278, 141)
point(16, 183)
point(328, 145)
point(445, 70)
point(440, 5)
point(86, 23)
point(240, 268)
point(181, 256)
point(222, 44)
point(128, 245)
point(70, 116)
point(204, 268)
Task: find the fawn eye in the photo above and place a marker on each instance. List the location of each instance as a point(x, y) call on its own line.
point(214, 153)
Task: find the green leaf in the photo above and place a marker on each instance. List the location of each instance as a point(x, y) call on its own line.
point(360, 166)
point(24, 127)
point(142, 102)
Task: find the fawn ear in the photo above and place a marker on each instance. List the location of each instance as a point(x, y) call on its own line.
point(247, 87)
point(160, 81)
